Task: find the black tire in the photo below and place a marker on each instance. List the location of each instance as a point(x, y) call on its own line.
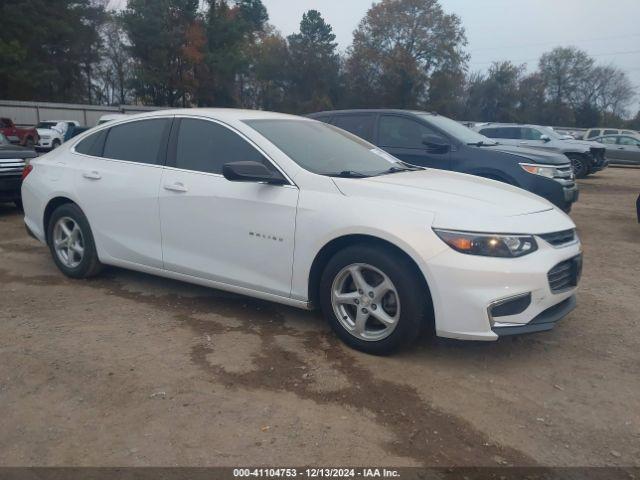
point(580, 164)
point(18, 204)
point(55, 144)
point(90, 265)
point(402, 272)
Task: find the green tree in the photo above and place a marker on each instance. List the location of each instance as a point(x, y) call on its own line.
point(313, 67)
point(231, 32)
point(49, 49)
point(494, 97)
point(565, 71)
point(267, 81)
point(157, 32)
point(396, 49)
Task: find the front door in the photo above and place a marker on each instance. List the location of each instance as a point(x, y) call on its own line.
point(403, 138)
point(236, 233)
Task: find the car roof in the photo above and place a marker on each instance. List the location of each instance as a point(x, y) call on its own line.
point(218, 113)
point(370, 110)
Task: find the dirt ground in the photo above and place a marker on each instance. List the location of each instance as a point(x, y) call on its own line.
point(131, 370)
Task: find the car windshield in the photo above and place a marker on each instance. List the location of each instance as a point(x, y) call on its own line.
point(325, 149)
point(46, 125)
point(3, 140)
point(551, 133)
point(457, 130)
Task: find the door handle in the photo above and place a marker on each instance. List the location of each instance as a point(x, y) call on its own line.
point(176, 187)
point(93, 175)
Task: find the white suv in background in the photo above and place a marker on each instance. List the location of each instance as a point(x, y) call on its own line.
point(296, 211)
point(52, 132)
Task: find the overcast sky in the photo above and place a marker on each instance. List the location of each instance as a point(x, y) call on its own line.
point(516, 30)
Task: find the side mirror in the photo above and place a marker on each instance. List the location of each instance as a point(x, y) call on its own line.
point(545, 138)
point(435, 142)
point(251, 172)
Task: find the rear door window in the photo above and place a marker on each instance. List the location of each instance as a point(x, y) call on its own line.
point(140, 141)
point(402, 132)
point(358, 124)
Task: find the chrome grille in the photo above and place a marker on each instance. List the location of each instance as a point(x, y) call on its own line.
point(558, 239)
point(11, 167)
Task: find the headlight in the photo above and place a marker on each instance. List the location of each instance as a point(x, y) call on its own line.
point(543, 170)
point(488, 244)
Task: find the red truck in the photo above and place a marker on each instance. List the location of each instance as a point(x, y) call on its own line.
point(27, 137)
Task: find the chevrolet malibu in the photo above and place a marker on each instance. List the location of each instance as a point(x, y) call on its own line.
point(295, 211)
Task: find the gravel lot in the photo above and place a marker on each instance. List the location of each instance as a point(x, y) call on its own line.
point(129, 369)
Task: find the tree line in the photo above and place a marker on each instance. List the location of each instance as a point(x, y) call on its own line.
point(224, 53)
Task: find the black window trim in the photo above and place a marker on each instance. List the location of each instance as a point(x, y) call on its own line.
point(162, 152)
point(171, 151)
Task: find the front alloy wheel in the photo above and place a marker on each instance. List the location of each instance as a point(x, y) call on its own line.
point(374, 298)
point(365, 302)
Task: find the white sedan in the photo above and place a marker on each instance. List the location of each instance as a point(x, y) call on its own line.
point(299, 212)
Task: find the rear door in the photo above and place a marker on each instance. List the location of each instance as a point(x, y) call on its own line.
point(117, 181)
point(403, 137)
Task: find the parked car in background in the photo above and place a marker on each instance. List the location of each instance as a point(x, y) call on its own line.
point(296, 211)
point(621, 149)
point(592, 133)
point(110, 117)
point(73, 131)
point(52, 133)
point(431, 140)
point(26, 137)
point(13, 159)
point(586, 157)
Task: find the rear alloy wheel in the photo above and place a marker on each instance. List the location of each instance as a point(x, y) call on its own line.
point(71, 242)
point(374, 298)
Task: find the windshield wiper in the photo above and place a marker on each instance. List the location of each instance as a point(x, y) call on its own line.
point(346, 174)
point(404, 168)
point(481, 143)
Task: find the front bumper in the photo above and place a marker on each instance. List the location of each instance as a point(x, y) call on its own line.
point(465, 287)
point(543, 322)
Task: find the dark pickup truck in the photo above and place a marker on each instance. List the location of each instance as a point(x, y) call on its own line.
point(13, 159)
point(431, 140)
point(27, 137)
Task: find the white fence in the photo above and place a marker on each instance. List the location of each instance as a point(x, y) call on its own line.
point(30, 113)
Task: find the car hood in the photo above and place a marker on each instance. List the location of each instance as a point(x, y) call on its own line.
point(13, 151)
point(530, 154)
point(460, 201)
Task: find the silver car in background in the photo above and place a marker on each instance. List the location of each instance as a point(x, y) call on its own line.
point(621, 149)
point(586, 157)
